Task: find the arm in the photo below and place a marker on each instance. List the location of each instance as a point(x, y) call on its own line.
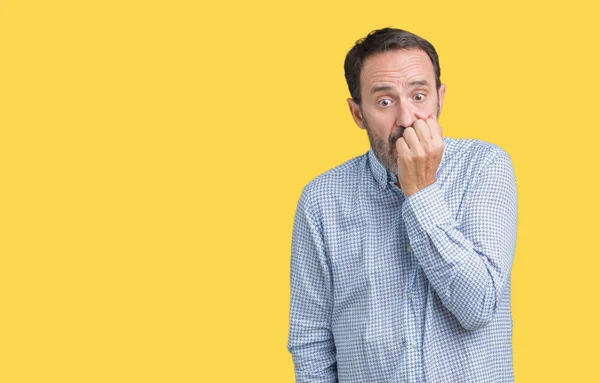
point(468, 265)
point(310, 339)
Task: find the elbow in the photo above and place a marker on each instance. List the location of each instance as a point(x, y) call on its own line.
point(480, 315)
point(475, 306)
point(476, 322)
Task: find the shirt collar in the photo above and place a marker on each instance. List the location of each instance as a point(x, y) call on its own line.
point(381, 174)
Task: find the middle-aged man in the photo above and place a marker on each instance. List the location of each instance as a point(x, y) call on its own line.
point(401, 257)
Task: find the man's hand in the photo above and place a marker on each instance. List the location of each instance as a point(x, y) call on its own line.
point(420, 152)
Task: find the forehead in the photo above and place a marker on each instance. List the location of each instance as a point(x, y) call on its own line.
point(396, 66)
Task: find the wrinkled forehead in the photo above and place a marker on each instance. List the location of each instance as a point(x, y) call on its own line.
point(399, 66)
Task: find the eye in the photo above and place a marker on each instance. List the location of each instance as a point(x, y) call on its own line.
point(419, 97)
point(385, 102)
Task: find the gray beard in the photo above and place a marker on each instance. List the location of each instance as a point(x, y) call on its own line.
point(386, 151)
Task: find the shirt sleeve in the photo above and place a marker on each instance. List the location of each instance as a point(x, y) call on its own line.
point(468, 264)
point(311, 302)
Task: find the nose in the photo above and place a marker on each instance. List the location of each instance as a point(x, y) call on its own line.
point(407, 115)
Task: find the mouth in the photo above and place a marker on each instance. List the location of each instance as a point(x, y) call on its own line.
point(395, 136)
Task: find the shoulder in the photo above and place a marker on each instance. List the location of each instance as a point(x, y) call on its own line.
point(467, 162)
point(334, 183)
point(462, 148)
point(472, 153)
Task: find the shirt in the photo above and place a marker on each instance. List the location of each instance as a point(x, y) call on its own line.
point(388, 288)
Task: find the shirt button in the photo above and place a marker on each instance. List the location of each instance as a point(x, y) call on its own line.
point(413, 344)
point(408, 249)
point(410, 295)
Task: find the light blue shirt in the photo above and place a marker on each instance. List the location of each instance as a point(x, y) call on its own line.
point(386, 288)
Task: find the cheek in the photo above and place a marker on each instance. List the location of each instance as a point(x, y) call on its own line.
point(432, 104)
point(383, 122)
point(427, 104)
point(425, 109)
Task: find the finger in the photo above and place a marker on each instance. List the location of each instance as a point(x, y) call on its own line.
point(410, 136)
point(402, 147)
point(434, 127)
point(403, 151)
point(423, 133)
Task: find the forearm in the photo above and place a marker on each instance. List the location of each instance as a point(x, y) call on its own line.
point(311, 302)
point(314, 357)
point(468, 280)
point(310, 339)
point(467, 264)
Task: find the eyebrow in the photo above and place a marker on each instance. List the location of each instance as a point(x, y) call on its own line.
point(381, 88)
point(418, 82)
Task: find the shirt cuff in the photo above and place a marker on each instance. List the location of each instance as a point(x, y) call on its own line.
point(424, 211)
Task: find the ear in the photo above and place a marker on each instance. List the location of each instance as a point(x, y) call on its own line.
point(441, 94)
point(356, 114)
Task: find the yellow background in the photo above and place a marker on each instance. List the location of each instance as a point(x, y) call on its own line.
point(152, 154)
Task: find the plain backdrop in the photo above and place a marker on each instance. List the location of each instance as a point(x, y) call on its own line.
point(152, 154)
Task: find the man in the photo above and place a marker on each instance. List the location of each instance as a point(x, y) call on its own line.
point(401, 257)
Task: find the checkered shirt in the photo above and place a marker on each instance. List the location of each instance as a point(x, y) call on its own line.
point(388, 288)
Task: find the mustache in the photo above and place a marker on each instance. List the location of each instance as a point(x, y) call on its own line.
point(396, 134)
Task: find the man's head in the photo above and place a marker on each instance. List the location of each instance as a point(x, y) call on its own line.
point(394, 79)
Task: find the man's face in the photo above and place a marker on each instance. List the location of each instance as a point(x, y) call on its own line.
point(397, 88)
